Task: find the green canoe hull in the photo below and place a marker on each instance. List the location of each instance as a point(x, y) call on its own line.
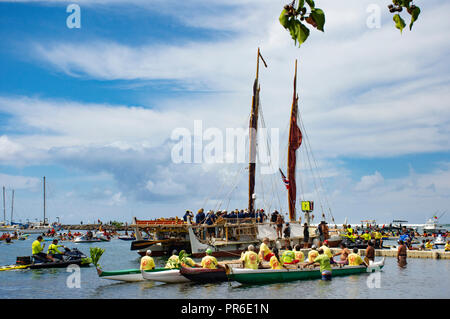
point(126, 274)
point(267, 276)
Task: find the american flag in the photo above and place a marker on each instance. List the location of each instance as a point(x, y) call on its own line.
point(285, 180)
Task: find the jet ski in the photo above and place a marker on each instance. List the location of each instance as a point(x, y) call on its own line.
point(70, 257)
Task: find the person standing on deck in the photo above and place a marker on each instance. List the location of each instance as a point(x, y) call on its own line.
point(401, 254)
point(250, 259)
point(321, 235)
point(279, 223)
point(305, 235)
point(200, 216)
point(324, 261)
point(264, 250)
point(147, 262)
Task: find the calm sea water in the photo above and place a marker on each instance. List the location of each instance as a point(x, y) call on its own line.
point(422, 278)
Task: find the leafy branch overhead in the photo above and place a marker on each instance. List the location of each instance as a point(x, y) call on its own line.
point(295, 18)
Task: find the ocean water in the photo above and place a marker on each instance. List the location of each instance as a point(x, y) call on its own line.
point(422, 278)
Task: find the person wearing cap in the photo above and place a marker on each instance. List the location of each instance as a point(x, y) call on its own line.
point(147, 262)
point(173, 261)
point(250, 259)
point(187, 261)
point(264, 250)
point(209, 261)
point(324, 261)
point(200, 216)
point(188, 215)
point(313, 253)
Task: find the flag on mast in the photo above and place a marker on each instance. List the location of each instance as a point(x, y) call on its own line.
point(285, 180)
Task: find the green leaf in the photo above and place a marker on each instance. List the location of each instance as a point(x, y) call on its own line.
point(301, 4)
point(414, 15)
point(299, 32)
point(311, 3)
point(405, 3)
point(284, 20)
point(319, 17)
point(399, 22)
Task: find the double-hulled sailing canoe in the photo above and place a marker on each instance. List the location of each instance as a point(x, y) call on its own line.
point(267, 276)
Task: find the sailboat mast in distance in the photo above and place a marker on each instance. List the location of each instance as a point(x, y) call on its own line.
point(12, 206)
point(44, 201)
point(4, 204)
point(295, 140)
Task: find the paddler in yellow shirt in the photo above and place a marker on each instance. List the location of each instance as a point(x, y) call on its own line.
point(264, 250)
point(209, 261)
point(326, 249)
point(173, 261)
point(447, 246)
point(147, 262)
point(288, 256)
point(428, 244)
point(313, 253)
point(250, 259)
point(187, 261)
point(354, 259)
point(299, 256)
point(274, 260)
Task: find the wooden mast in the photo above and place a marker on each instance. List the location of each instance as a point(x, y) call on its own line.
point(253, 126)
point(295, 139)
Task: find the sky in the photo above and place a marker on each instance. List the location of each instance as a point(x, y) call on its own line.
point(96, 109)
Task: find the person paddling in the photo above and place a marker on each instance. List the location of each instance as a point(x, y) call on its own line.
point(209, 261)
point(264, 250)
point(250, 259)
point(344, 254)
point(147, 262)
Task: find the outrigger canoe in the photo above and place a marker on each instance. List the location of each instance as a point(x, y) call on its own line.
point(267, 276)
point(164, 275)
point(204, 275)
point(130, 275)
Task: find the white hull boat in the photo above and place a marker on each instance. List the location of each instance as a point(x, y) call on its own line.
point(171, 276)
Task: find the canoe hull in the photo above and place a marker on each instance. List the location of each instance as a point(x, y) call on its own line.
point(167, 275)
point(202, 275)
point(128, 275)
point(265, 276)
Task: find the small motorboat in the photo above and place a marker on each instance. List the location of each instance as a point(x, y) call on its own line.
point(86, 239)
point(439, 240)
point(204, 275)
point(166, 275)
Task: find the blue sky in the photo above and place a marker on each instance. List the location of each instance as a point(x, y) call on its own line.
point(93, 109)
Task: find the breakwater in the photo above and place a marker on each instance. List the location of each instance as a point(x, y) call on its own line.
point(93, 227)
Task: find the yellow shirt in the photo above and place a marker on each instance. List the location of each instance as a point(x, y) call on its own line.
point(188, 262)
point(327, 251)
point(354, 259)
point(147, 263)
point(274, 263)
point(263, 250)
point(251, 260)
point(53, 249)
point(378, 235)
point(172, 262)
point(209, 262)
point(36, 247)
point(299, 256)
point(447, 247)
point(428, 245)
point(312, 255)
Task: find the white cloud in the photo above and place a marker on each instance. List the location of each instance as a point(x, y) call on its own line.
point(369, 181)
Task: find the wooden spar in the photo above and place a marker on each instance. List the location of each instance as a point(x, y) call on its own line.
point(253, 126)
point(295, 138)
